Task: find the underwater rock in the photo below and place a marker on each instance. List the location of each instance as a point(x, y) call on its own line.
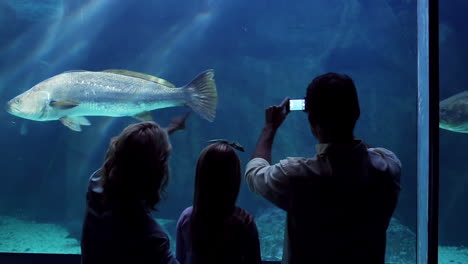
point(74, 228)
point(270, 224)
point(401, 241)
point(453, 255)
point(25, 235)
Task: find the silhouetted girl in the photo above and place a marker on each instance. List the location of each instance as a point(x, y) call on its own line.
point(215, 230)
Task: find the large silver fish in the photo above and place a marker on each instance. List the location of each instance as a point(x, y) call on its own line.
point(453, 113)
point(71, 96)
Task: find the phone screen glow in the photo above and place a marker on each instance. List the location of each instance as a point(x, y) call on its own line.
point(297, 105)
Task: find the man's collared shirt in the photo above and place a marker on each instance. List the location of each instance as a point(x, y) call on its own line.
point(345, 194)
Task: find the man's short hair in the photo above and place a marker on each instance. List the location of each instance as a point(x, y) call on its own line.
point(332, 101)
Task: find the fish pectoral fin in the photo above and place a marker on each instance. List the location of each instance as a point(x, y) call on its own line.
point(75, 122)
point(82, 120)
point(63, 104)
point(144, 116)
point(143, 76)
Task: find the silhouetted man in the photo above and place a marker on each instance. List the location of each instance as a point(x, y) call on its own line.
point(339, 202)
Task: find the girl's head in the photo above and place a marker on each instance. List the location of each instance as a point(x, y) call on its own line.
point(136, 164)
point(217, 179)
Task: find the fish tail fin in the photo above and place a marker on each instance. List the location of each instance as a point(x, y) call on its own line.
point(202, 95)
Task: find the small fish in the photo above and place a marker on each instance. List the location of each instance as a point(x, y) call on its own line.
point(453, 113)
point(71, 96)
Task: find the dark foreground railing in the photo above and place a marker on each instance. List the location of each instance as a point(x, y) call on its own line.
point(16, 258)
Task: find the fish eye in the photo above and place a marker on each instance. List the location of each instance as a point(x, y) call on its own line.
point(17, 101)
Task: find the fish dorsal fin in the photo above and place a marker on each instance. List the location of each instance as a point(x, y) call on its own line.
point(144, 116)
point(74, 71)
point(143, 76)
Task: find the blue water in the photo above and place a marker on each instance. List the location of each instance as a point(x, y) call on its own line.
point(261, 51)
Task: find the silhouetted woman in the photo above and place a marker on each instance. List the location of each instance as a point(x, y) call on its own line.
point(215, 230)
point(118, 226)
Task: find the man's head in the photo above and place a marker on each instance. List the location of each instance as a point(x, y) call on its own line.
point(332, 106)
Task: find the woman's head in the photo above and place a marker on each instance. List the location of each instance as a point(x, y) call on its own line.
point(136, 166)
point(217, 179)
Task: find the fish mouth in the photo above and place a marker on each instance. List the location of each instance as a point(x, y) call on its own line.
point(12, 109)
point(9, 108)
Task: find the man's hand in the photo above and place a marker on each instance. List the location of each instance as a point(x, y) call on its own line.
point(177, 123)
point(274, 117)
point(276, 114)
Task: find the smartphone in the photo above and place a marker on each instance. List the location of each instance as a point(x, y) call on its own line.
point(296, 105)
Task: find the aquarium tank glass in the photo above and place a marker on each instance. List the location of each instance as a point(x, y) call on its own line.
point(453, 216)
point(260, 51)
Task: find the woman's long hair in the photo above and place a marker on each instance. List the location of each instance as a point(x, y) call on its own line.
point(136, 165)
point(217, 184)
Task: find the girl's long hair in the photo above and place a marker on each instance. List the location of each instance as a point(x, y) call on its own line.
point(217, 185)
point(136, 165)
